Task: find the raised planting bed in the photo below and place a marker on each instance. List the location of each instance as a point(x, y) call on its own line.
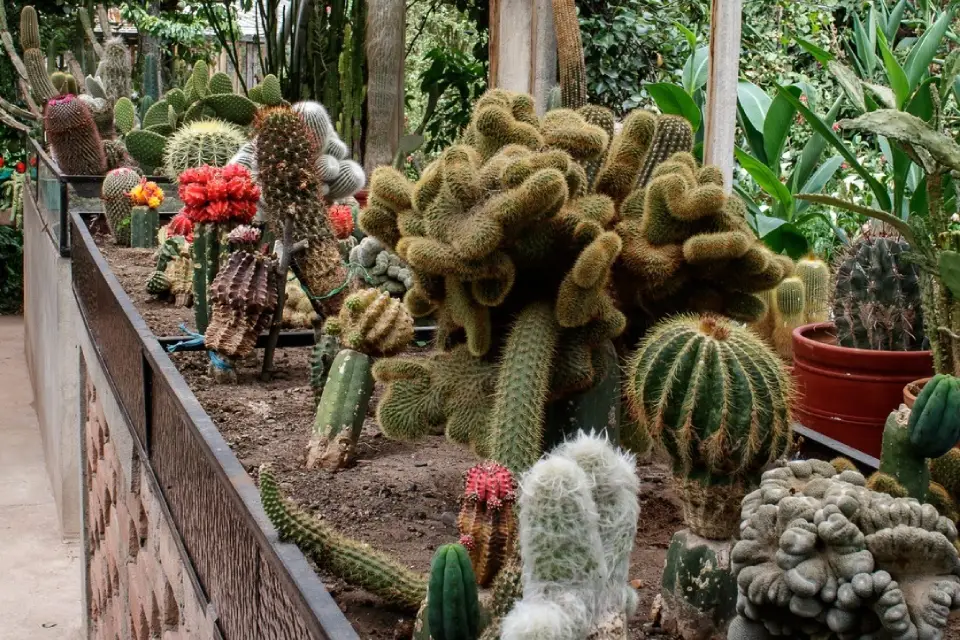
point(400, 497)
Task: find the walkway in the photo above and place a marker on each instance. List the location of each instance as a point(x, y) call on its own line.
point(40, 579)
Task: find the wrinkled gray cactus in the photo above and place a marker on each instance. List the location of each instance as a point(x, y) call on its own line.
point(821, 554)
point(384, 269)
point(578, 521)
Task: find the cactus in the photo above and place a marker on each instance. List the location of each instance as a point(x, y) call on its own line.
point(341, 411)
point(231, 107)
point(151, 77)
point(243, 298)
point(124, 115)
point(719, 400)
point(102, 112)
point(453, 610)
point(934, 426)
point(147, 148)
point(34, 59)
point(158, 284)
point(841, 464)
point(876, 303)
point(171, 248)
point(788, 314)
point(271, 94)
point(325, 350)
point(117, 204)
point(64, 83)
point(573, 71)
point(73, 137)
point(846, 561)
point(372, 322)
point(340, 217)
point(144, 224)
point(945, 471)
point(298, 310)
point(944, 502)
point(220, 83)
point(115, 70)
point(578, 520)
point(205, 255)
point(210, 142)
point(286, 162)
point(179, 273)
point(486, 522)
point(381, 268)
point(815, 275)
point(352, 561)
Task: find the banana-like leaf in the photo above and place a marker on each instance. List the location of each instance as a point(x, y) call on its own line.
point(895, 74)
point(925, 49)
point(907, 128)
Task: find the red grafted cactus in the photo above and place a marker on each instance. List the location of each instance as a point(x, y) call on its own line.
point(486, 523)
point(340, 217)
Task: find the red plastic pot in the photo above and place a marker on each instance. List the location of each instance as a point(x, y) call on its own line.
point(361, 198)
point(847, 394)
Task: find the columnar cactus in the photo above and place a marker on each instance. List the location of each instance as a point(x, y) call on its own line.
point(372, 322)
point(73, 137)
point(115, 70)
point(876, 304)
point(789, 313)
point(453, 610)
point(815, 275)
point(821, 555)
point(325, 350)
point(486, 523)
point(151, 77)
point(352, 561)
point(117, 205)
point(578, 520)
point(573, 72)
point(243, 298)
point(34, 59)
point(341, 411)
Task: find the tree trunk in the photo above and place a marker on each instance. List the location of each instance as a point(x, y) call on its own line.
point(386, 21)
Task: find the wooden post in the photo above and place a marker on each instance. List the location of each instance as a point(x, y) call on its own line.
point(721, 107)
point(523, 47)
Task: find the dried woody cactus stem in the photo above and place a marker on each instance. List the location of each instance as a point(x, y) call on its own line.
point(285, 251)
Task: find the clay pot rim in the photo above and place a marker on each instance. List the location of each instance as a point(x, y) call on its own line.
point(909, 395)
point(800, 335)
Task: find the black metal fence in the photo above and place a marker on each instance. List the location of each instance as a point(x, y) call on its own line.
point(260, 588)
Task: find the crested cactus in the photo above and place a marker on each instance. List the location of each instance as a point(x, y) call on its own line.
point(815, 275)
point(115, 70)
point(341, 411)
point(73, 137)
point(876, 303)
point(210, 142)
point(578, 520)
point(821, 555)
point(352, 561)
point(115, 193)
point(243, 297)
point(372, 322)
point(487, 523)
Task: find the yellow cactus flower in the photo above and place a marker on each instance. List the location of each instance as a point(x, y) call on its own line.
point(153, 202)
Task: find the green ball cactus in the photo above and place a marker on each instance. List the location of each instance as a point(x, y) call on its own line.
point(73, 137)
point(211, 142)
point(453, 610)
point(934, 425)
point(718, 399)
point(372, 322)
point(117, 205)
point(876, 303)
point(341, 411)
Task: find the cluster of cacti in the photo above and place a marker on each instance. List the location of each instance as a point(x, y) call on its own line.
point(117, 205)
point(821, 555)
point(341, 411)
point(286, 158)
point(243, 297)
point(382, 268)
point(798, 300)
point(73, 137)
point(531, 265)
point(172, 248)
point(268, 93)
point(372, 322)
point(578, 521)
point(354, 562)
point(486, 523)
point(876, 304)
point(205, 142)
point(297, 309)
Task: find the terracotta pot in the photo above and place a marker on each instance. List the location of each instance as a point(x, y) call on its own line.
point(361, 197)
point(847, 394)
point(912, 390)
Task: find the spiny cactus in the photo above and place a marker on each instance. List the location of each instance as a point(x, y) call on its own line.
point(243, 297)
point(298, 311)
point(453, 609)
point(578, 520)
point(945, 471)
point(64, 83)
point(115, 69)
point(719, 400)
point(146, 147)
point(486, 523)
point(34, 59)
point(73, 137)
point(845, 561)
point(815, 275)
point(573, 72)
point(179, 273)
point(268, 92)
point(789, 313)
point(876, 303)
point(124, 115)
point(117, 205)
point(352, 561)
point(340, 218)
point(102, 112)
point(372, 322)
point(211, 142)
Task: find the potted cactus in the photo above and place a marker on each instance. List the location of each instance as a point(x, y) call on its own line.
point(144, 222)
point(850, 373)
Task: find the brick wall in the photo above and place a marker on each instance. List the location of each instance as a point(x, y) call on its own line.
point(139, 587)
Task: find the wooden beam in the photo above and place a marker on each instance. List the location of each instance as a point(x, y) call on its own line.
point(721, 107)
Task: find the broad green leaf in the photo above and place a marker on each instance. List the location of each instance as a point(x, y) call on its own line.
point(865, 54)
point(895, 74)
point(918, 202)
point(767, 180)
point(893, 20)
point(819, 179)
point(923, 52)
point(821, 55)
point(825, 130)
point(852, 56)
point(754, 103)
point(695, 70)
point(949, 73)
point(786, 238)
point(810, 156)
point(754, 137)
point(921, 104)
point(688, 34)
point(850, 84)
point(674, 100)
point(950, 271)
point(768, 224)
point(753, 209)
point(884, 94)
point(776, 128)
point(906, 128)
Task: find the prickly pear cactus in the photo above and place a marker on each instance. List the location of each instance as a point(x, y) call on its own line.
point(820, 555)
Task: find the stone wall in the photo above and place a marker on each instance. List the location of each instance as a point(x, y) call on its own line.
point(138, 585)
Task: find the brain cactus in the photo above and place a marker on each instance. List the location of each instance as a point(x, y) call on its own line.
point(876, 303)
point(719, 400)
point(486, 523)
point(821, 554)
point(372, 322)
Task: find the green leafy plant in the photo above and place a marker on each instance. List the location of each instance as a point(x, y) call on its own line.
point(11, 271)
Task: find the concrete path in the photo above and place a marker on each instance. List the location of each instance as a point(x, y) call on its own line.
point(40, 578)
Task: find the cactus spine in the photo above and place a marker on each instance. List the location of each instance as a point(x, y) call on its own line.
point(352, 561)
point(117, 205)
point(341, 411)
point(573, 70)
point(144, 224)
point(815, 275)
